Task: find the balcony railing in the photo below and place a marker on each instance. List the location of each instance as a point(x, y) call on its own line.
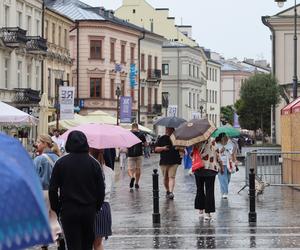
point(36, 44)
point(154, 109)
point(154, 74)
point(27, 95)
point(13, 37)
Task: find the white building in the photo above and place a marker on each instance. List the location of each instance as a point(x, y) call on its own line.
point(22, 50)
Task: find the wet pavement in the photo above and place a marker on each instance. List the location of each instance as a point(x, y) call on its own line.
point(277, 227)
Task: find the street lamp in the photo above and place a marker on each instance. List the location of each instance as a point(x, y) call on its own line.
point(295, 78)
point(118, 93)
point(201, 111)
point(165, 101)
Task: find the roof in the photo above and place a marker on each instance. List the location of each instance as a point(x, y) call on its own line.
point(288, 108)
point(174, 44)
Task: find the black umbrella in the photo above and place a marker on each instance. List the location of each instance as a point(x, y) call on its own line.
point(192, 132)
point(169, 122)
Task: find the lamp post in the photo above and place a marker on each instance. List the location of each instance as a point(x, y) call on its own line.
point(118, 93)
point(201, 111)
point(165, 101)
point(295, 77)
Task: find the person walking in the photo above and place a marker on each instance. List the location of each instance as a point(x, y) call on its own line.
point(123, 155)
point(205, 178)
point(135, 157)
point(103, 220)
point(225, 149)
point(58, 140)
point(47, 155)
point(169, 161)
point(76, 192)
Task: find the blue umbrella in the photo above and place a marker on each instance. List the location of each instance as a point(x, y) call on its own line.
point(23, 214)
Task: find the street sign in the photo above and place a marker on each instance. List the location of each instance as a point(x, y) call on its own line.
point(118, 67)
point(125, 109)
point(172, 110)
point(66, 102)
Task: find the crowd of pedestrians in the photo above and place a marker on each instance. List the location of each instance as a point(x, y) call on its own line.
point(77, 180)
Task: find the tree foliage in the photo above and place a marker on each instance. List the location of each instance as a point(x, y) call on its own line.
point(257, 95)
point(227, 113)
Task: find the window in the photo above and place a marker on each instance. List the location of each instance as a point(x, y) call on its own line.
point(95, 87)
point(149, 96)
point(19, 73)
point(29, 25)
point(165, 69)
point(197, 105)
point(28, 75)
point(112, 51)
point(37, 76)
point(143, 62)
point(151, 26)
point(155, 62)
point(149, 62)
point(194, 100)
point(216, 97)
point(49, 83)
point(131, 54)
point(59, 36)
point(190, 99)
point(6, 16)
point(38, 30)
point(155, 96)
point(96, 49)
point(210, 96)
point(65, 38)
point(143, 96)
point(194, 71)
point(190, 70)
point(19, 19)
point(132, 95)
point(6, 72)
point(123, 87)
point(207, 95)
point(46, 29)
point(133, 11)
point(197, 72)
point(209, 73)
point(123, 49)
point(53, 33)
point(112, 89)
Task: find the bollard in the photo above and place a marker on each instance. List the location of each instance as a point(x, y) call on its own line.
point(252, 213)
point(156, 214)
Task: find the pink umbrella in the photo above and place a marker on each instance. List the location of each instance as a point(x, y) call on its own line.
point(105, 136)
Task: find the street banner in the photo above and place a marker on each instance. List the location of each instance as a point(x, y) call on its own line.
point(132, 75)
point(66, 102)
point(125, 109)
point(172, 110)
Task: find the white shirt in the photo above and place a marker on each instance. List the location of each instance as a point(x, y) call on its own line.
point(109, 176)
point(225, 156)
point(59, 141)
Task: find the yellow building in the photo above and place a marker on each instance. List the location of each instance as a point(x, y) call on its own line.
point(58, 63)
point(142, 14)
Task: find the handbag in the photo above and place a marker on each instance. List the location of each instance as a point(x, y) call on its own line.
point(197, 162)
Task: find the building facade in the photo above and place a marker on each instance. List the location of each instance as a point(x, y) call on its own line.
point(184, 78)
point(22, 50)
point(57, 64)
point(142, 14)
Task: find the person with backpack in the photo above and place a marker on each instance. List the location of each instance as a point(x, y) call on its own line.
point(135, 157)
point(48, 152)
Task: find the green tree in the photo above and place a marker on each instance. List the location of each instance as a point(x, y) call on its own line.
point(257, 95)
point(227, 113)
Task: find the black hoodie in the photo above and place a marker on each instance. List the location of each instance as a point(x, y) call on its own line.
point(77, 176)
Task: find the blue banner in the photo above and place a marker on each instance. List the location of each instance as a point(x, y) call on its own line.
point(125, 109)
point(132, 75)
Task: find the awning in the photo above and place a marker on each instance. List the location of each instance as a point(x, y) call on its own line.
point(288, 108)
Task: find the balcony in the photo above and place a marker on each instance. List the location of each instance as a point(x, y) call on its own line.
point(36, 45)
point(13, 37)
point(154, 75)
point(27, 96)
point(154, 109)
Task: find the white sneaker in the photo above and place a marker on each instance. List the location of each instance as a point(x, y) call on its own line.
point(207, 216)
point(225, 196)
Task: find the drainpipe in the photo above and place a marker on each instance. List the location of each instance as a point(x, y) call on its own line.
point(42, 63)
point(178, 88)
point(139, 83)
point(77, 65)
point(273, 122)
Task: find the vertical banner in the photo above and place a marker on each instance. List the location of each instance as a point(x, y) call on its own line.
point(236, 123)
point(125, 109)
point(132, 75)
point(66, 102)
point(172, 110)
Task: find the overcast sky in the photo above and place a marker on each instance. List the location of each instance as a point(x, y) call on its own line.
point(230, 27)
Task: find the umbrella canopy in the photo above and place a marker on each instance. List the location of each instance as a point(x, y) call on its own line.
point(228, 130)
point(43, 115)
point(192, 132)
point(101, 117)
point(10, 115)
point(24, 218)
point(105, 135)
point(142, 128)
point(170, 122)
point(67, 124)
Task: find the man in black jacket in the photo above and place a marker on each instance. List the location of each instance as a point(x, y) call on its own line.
point(76, 192)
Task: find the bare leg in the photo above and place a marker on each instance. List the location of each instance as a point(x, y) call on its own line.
point(98, 244)
point(166, 182)
point(137, 175)
point(171, 182)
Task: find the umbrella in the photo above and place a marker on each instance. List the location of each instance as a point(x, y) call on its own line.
point(192, 132)
point(169, 122)
point(24, 218)
point(105, 135)
point(228, 130)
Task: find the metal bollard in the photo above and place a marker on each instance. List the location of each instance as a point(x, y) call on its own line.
point(252, 213)
point(156, 214)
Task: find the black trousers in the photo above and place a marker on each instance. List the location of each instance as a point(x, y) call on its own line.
point(205, 197)
point(78, 223)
